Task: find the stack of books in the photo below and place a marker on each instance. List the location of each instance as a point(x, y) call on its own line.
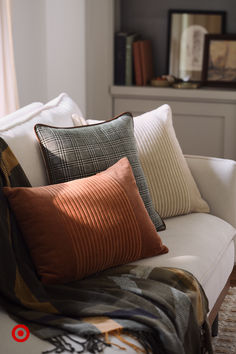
point(133, 60)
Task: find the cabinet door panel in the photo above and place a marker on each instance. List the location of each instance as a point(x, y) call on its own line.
point(200, 135)
point(202, 128)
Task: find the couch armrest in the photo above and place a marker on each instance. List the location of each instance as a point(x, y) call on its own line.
point(216, 180)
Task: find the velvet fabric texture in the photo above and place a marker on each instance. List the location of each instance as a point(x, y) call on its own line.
point(81, 227)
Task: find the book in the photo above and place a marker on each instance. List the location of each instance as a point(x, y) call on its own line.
point(123, 66)
point(146, 61)
point(129, 58)
point(120, 58)
point(143, 62)
point(137, 64)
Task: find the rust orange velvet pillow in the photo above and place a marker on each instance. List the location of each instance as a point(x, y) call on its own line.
point(80, 227)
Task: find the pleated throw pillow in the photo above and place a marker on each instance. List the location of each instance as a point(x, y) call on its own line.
point(171, 184)
point(78, 152)
point(81, 227)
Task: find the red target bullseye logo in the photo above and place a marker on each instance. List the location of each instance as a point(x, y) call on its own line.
point(20, 333)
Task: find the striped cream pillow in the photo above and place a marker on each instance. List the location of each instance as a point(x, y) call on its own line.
point(171, 185)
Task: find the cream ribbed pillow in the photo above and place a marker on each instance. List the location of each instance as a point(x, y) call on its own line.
point(171, 184)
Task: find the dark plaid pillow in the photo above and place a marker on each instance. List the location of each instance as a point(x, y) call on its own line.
point(78, 152)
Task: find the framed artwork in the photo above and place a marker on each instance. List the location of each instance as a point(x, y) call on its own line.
point(186, 34)
point(219, 64)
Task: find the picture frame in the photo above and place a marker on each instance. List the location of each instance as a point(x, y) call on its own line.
point(219, 63)
point(186, 34)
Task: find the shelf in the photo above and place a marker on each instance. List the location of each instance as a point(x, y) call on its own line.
point(204, 119)
point(204, 94)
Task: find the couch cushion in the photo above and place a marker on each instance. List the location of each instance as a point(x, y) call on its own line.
point(197, 242)
point(83, 151)
point(86, 225)
point(19, 132)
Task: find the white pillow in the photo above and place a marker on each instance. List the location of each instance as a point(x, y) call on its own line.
point(12, 119)
point(171, 184)
point(80, 121)
point(19, 133)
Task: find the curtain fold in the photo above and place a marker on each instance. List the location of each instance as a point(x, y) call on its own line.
point(8, 86)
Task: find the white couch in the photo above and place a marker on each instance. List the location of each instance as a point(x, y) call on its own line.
point(201, 243)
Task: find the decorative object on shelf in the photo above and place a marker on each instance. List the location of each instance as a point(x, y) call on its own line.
point(219, 64)
point(169, 80)
point(160, 82)
point(186, 33)
point(186, 85)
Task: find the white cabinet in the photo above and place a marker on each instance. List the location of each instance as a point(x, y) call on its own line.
point(204, 119)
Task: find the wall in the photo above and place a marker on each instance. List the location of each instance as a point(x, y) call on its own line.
point(28, 22)
point(150, 18)
point(49, 43)
point(99, 57)
point(65, 49)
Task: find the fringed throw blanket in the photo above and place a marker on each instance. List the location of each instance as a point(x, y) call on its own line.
point(164, 308)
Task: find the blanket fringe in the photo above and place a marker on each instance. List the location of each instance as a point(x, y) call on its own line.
point(58, 343)
point(92, 344)
point(122, 339)
point(110, 343)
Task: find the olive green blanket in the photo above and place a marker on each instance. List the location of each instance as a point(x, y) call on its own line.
point(165, 308)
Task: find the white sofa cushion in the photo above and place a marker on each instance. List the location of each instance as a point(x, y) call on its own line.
point(19, 133)
point(197, 243)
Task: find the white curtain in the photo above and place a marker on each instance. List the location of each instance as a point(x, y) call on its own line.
point(8, 87)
